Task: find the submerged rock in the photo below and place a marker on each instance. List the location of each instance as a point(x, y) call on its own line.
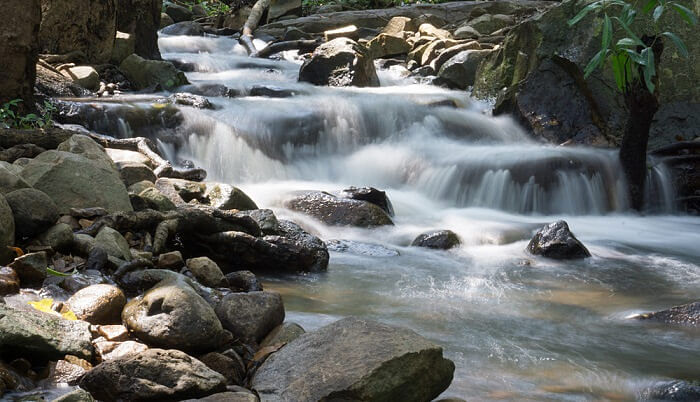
point(686, 314)
point(251, 316)
point(556, 241)
point(341, 62)
point(438, 239)
point(333, 210)
point(354, 359)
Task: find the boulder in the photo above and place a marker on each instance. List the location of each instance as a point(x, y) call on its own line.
point(85, 146)
point(9, 281)
point(428, 29)
point(98, 304)
point(173, 315)
point(333, 210)
point(154, 199)
point(7, 231)
point(121, 155)
point(251, 316)
point(371, 195)
point(18, 52)
point(354, 359)
point(144, 73)
point(186, 28)
point(686, 314)
point(487, 23)
point(31, 268)
point(438, 239)
point(141, 19)
point(341, 62)
point(283, 334)
point(233, 369)
point(165, 20)
point(177, 12)
point(124, 46)
point(87, 26)
point(466, 32)
point(384, 45)
point(445, 55)
point(113, 243)
point(85, 76)
point(397, 25)
point(283, 8)
point(59, 237)
point(154, 374)
point(33, 211)
point(206, 272)
point(556, 241)
point(10, 180)
point(73, 181)
point(460, 70)
point(44, 336)
point(134, 172)
point(243, 281)
point(238, 396)
point(217, 195)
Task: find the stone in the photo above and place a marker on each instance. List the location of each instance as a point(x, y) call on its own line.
point(141, 19)
point(58, 237)
point(439, 239)
point(7, 231)
point(371, 195)
point(134, 172)
point(156, 200)
point(460, 70)
point(173, 315)
point(42, 335)
point(348, 32)
point(557, 242)
point(31, 268)
point(85, 76)
point(672, 391)
point(206, 272)
point(228, 397)
point(85, 146)
point(79, 395)
point(333, 210)
point(341, 62)
point(354, 359)
point(217, 195)
point(110, 350)
point(445, 55)
point(466, 32)
point(283, 8)
point(243, 281)
point(384, 45)
point(238, 19)
point(397, 25)
point(177, 12)
point(172, 260)
point(428, 29)
point(283, 334)
point(34, 212)
point(87, 26)
point(187, 99)
point(124, 46)
point(122, 155)
point(185, 28)
point(232, 369)
point(74, 181)
point(98, 304)
point(9, 281)
point(64, 372)
point(224, 196)
point(165, 20)
point(10, 180)
point(436, 47)
point(295, 34)
point(113, 243)
point(154, 374)
point(114, 333)
point(251, 316)
point(144, 73)
point(686, 315)
point(488, 24)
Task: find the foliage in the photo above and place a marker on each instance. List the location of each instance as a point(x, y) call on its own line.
point(212, 7)
point(630, 54)
point(309, 5)
point(10, 117)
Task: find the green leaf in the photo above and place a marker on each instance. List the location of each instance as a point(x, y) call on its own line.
point(61, 274)
point(607, 32)
point(685, 13)
point(678, 42)
point(649, 6)
point(584, 12)
point(619, 71)
point(625, 42)
point(658, 11)
point(649, 68)
point(631, 34)
point(595, 62)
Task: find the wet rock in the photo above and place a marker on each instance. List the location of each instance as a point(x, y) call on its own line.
point(673, 391)
point(439, 239)
point(686, 314)
point(341, 62)
point(111, 350)
point(266, 220)
point(460, 70)
point(79, 395)
point(251, 316)
point(144, 73)
point(556, 241)
point(296, 250)
point(154, 374)
point(30, 333)
point(10, 180)
point(64, 372)
point(58, 237)
point(134, 172)
point(333, 210)
point(187, 99)
point(361, 248)
point(9, 281)
point(206, 272)
point(284, 333)
point(187, 28)
point(272, 91)
point(173, 315)
point(233, 369)
point(243, 281)
point(369, 194)
point(217, 195)
point(113, 243)
point(7, 231)
point(31, 269)
point(98, 304)
point(355, 359)
point(177, 12)
point(33, 211)
point(172, 260)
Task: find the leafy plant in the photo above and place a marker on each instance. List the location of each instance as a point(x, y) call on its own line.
point(10, 117)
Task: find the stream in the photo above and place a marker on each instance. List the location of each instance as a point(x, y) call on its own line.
point(518, 327)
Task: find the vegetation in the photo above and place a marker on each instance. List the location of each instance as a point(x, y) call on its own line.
point(10, 117)
point(311, 5)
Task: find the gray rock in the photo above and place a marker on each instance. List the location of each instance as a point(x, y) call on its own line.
point(556, 241)
point(31, 269)
point(187, 28)
point(487, 24)
point(154, 374)
point(42, 335)
point(251, 316)
point(686, 314)
point(58, 237)
point(144, 73)
point(172, 260)
point(7, 230)
point(85, 76)
point(673, 391)
point(177, 12)
point(98, 304)
point(79, 395)
point(438, 239)
point(187, 99)
point(9, 281)
point(341, 62)
point(228, 397)
point(134, 172)
point(113, 243)
point(333, 210)
point(233, 369)
point(33, 210)
point(165, 20)
point(283, 8)
point(87, 147)
point(10, 180)
point(206, 272)
point(460, 70)
point(385, 45)
point(154, 199)
point(122, 155)
point(466, 32)
point(284, 333)
point(243, 281)
point(354, 359)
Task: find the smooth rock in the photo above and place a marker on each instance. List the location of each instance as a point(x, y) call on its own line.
point(369, 194)
point(341, 62)
point(384, 45)
point(556, 241)
point(439, 239)
point(165, 20)
point(487, 24)
point(144, 73)
point(460, 70)
point(186, 28)
point(110, 350)
point(122, 155)
point(206, 272)
point(428, 29)
point(333, 210)
point(232, 369)
point(7, 231)
point(156, 200)
point(9, 281)
point(177, 12)
point(85, 76)
point(172, 260)
point(34, 212)
point(31, 269)
point(466, 32)
point(397, 25)
point(87, 147)
point(114, 333)
point(243, 281)
point(113, 243)
point(134, 172)
point(58, 237)
point(251, 316)
point(10, 180)
point(284, 333)
point(98, 304)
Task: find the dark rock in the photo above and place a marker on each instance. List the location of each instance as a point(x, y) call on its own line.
point(177, 12)
point(20, 151)
point(79, 395)
point(141, 19)
point(144, 73)
point(266, 219)
point(251, 316)
point(228, 397)
point(272, 91)
point(460, 70)
point(9, 281)
point(154, 374)
point(243, 281)
point(369, 194)
point(284, 333)
point(207, 272)
point(354, 359)
point(31, 269)
point(341, 62)
point(556, 241)
point(333, 210)
point(233, 369)
point(439, 239)
point(187, 28)
point(33, 210)
point(98, 304)
point(673, 391)
point(59, 237)
point(686, 314)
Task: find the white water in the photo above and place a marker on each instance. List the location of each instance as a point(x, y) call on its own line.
point(517, 327)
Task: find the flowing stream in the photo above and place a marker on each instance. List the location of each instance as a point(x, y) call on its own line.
point(516, 326)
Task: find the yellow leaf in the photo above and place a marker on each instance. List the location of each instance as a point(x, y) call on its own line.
point(16, 250)
point(43, 305)
point(159, 105)
point(69, 315)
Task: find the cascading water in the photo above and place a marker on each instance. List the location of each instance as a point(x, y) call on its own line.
point(517, 327)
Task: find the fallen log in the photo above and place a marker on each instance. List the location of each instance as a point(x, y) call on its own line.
point(303, 45)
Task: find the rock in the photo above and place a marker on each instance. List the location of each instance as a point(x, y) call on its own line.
point(177, 12)
point(9, 281)
point(87, 26)
point(295, 34)
point(64, 372)
point(445, 55)
point(156, 200)
point(686, 314)
point(466, 32)
point(355, 359)
point(98, 304)
point(283, 8)
point(340, 62)
point(397, 25)
point(556, 241)
point(165, 20)
point(31, 269)
point(58, 237)
point(217, 195)
point(266, 220)
point(251, 316)
point(144, 73)
point(187, 28)
point(173, 315)
point(10, 180)
point(223, 196)
point(30, 333)
point(113, 243)
point(154, 374)
point(238, 19)
point(284, 333)
point(121, 155)
point(228, 397)
point(460, 70)
point(124, 46)
point(141, 19)
point(428, 29)
point(85, 76)
point(243, 281)
point(672, 391)
point(79, 395)
point(172, 260)
point(206, 272)
point(7, 231)
point(73, 181)
point(232, 369)
point(85, 146)
point(332, 210)
point(134, 172)
point(295, 250)
point(33, 211)
point(487, 24)
point(384, 45)
point(18, 52)
point(114, 333)
point(371, 195)
point(109, 350)
point(187, 99)
point(348, 32)
point(329, 8)
point(361, 248)
point(439, 239)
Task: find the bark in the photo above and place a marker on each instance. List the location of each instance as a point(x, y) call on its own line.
point(251, 24)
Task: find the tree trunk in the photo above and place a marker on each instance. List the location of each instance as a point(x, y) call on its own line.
point(251, 24)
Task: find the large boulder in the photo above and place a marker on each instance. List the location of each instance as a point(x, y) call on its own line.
point(7, 231)
point(371, 195)
point(144, 73)
point(154, 374)
point(251, 316)
point(341, 62)
point(74, 181)
point(556, 241)
point(29, 333)
point(177, 12)
point(686, 314)
point(141, 19)
point(87, 26)
point(34, 211)
point(18, 50)
point(333, 210)
point(10, 180)
point(460, 70)
point(354, 359)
